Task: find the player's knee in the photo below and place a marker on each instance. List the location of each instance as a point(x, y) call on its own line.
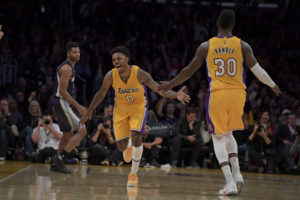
point(121, 146)
point(83, 132)
point(136, 139)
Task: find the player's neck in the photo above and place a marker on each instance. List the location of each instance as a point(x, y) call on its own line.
point(126, 72)
point(71, 62)
point(224, 33)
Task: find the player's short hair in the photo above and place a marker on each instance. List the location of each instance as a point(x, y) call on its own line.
point(226, 18)
point(71, 45)
point(121, 49)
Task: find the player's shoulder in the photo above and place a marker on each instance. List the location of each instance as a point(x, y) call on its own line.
point(66, 67)
point(245, 46)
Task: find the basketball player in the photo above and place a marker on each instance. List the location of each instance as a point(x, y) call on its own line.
point(130, 109)
point(1, 32)
point(66, 108)
point(224, 55)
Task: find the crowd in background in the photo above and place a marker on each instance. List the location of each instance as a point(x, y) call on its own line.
point(162, 39)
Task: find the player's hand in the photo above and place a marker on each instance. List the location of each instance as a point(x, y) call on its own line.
point(191, 138)
point(83, 119)
point(81, 109)
point(183, 97)
point(276, 90)
point(164, 86)
point(1, 32)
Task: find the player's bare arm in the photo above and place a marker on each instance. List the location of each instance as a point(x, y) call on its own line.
point(99, 96)
point(189, 70)
point(65, 75)
point(257, 70)
point(145, 77)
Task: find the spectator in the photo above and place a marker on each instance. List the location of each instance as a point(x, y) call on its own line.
point(152, 147)
point(241, 137)
point(166, 112)
point(284, 116)
point(262, 145)
point(22, 103)
point(187, 134)
point(47, 135)
point(286, 134)
point(30, 122)
point(103, 149)
point(295, 148)
point(8, 129)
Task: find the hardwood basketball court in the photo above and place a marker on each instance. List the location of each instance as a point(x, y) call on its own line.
point(24, 180)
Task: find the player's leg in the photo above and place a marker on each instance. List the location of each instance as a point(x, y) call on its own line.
point(65, 125)
point(137, 152)
point(64, 141)
point(75, 139)
point(68, 122)
point(230, 187)
point(138, 117)
point(125, 146)
point(122, 131)
point(217, 119)
point(127, 152)
point(231, 147)
point(235, 122)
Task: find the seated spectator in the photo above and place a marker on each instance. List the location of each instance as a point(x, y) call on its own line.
point(152, 146)
point(8, 128)
point(103, 149)
point(241, 137)
point(47, 135)
point(295, 148)
point(283, 117)
point(286, 134)
point(187, 134)
point(29, 123)
point(210, 160)
point(167, 112)
point(261, 146)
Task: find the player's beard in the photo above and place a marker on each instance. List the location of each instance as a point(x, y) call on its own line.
point(74, 59)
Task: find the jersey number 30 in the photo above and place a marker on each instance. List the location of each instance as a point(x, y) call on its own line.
point(228, 66)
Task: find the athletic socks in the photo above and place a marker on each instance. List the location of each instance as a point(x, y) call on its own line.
point(137, 153)
point(234, 162)
point(227, 173)
point(129, 143)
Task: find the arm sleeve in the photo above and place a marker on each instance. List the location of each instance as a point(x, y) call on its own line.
point(262, 75)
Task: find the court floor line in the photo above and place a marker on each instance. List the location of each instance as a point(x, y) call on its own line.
point(16, 173)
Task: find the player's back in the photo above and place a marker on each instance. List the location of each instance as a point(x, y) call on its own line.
point(225, 63)
point(71, 84)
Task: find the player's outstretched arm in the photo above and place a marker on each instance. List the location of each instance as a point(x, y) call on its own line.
point(145, 77)
point(189, 70)
point(1, 32)
point(98, 98)
point(257, 70)
point(65, 76)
